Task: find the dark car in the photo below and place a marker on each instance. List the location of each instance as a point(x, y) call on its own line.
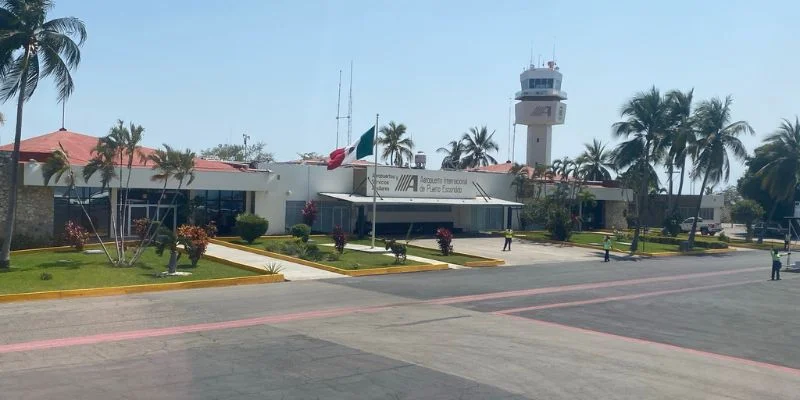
point(770, 229)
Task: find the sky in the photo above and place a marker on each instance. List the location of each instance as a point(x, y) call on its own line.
point(196, 73)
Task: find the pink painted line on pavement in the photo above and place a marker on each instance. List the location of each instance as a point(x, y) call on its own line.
point(177, 330)
point(717, 356)
point(619, 298)
point(584, 286)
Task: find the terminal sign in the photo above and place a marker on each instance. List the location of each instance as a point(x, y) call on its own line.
point(416, 184)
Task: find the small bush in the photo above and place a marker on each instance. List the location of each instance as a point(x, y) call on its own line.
point(445, 240)
point(672, 226)
point(339, 239)
point(301, 231)
point(273, 268)
point(706, 244)
point(309, 251)
point(140, 227)
point(273, 246)
point(291, 248)
point(46, 276)
point(211, 229)
point(334, 256)
point(723, 238)
point(399, 250)
point(250, 227)
point(309, 213)
point(560, 225)
point(194, 240)
point(75, 235)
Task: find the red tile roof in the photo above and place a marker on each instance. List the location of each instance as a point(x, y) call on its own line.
point(80, 146)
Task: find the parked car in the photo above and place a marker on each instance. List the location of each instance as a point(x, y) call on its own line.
point(770, 229)
point(705, 228)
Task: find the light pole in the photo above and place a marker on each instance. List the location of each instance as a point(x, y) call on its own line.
point(245, 137)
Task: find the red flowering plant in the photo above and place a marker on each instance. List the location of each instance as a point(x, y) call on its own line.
point(339, 239)
point(75, 235)
point(445, 240)
point(194, 240)
point(140, 227)
point(211, 229)
point(309, 213)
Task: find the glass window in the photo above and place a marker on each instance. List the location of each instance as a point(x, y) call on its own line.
point(85, 205)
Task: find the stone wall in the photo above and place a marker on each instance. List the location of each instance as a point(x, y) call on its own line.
point(614, 214)
point(34, 204)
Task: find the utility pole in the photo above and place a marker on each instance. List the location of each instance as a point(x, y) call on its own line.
point(246, 137)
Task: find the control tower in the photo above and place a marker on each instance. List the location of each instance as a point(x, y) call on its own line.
point(540, 107)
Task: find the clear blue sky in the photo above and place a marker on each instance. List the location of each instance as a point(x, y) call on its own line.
point(196, 73)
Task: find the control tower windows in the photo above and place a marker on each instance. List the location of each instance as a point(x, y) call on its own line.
point(540, 83)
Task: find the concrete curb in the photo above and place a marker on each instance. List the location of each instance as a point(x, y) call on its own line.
point(348, 272)
point(156, 287)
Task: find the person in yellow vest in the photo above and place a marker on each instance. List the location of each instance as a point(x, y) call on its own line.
point(607, 248)
point(508, 234)
point(776, 265)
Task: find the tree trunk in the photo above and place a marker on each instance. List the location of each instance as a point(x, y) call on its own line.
point(642, 200)
point(11, 212)
point(670, 170)
point(680, 189)
point(172, 267)
point(697, 210)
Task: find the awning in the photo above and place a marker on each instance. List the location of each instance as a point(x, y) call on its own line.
point(478, 201)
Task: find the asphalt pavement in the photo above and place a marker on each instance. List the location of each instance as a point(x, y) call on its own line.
point(697, 327)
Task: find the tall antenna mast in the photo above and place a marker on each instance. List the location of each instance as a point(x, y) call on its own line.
point(531, 63)
point(63, 114)
point(350, 107)
point(510, 103)
point(554, 49)
point(338, 104)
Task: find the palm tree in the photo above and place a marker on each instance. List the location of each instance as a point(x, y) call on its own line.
point(477, 145)
point(452, 159)
point(55, 167)
point(644, 126)
point(32, 48)
point(168, 164)
point(596, 161)
point(782, 174)
point(683, 140)
point(396, 147)
point(717, 137)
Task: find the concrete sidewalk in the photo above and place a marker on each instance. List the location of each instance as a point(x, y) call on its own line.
point(291, 271)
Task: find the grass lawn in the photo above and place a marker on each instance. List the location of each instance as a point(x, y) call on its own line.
point(433, 254)
point(597, 238)
point(350, 259)
point(74, 270)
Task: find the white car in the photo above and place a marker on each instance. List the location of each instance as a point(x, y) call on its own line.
point(705, 228)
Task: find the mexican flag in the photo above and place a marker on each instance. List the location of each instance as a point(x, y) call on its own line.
point(357, 150)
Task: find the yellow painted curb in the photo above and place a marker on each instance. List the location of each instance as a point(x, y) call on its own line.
point(350, 272)
point(156, 287)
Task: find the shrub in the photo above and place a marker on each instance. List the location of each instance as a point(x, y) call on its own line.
point(309, 251)
point(445, 240)
point(250, 227)
point(339, 239)
point(140, 227)
point(309, 213)
point(706, 244)
point(723, 238)
point(273, 268)
point(46, 276)
point(334, 256)
point(672, 226)
point(211, 229)
point(399, 250)
point(75, 235)
point(301, 231)
point(291, 248)
point(559, 224)
point(194, 240)
point(273, 246)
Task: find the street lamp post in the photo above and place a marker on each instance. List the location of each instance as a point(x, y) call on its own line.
point(246, 137)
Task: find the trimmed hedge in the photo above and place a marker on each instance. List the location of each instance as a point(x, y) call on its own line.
point(677, 241)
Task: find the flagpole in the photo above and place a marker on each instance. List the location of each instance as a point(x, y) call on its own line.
point(374, 179)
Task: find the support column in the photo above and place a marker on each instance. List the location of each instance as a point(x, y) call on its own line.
point(539, 142)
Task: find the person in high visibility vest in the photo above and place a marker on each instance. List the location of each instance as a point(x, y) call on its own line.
point(508, 234)
point(607, 248)
point(776, 265)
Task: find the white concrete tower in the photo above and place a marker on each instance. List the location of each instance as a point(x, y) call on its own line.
point(540, 108)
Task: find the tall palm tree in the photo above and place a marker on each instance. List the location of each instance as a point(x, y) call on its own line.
point(683, 140)
point(717, 136)
point(32, 48)
point(781, 176)
point(644, 126)
point(396, 148)
point(477, 145)
point(596, 161)
point(452, 159)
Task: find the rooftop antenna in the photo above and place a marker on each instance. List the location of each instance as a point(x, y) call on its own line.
point(554, 50)
point(350, 107)
point(510, 103)
point(531, 63)
point(338, 104)
point(63, 114)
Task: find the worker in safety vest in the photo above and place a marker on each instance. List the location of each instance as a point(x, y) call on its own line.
point(776, 265)
point(508, 234)
point(607, 248)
